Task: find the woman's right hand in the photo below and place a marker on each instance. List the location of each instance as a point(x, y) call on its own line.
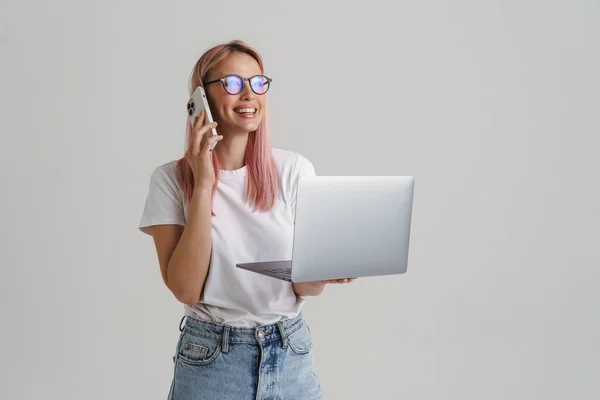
point(199, 155)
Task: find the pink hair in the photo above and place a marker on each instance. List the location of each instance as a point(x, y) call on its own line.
point(262, 184)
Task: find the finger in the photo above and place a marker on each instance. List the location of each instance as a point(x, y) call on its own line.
point(199, 121)
point(200, 135)
point(209, 128)
point(341, 280)
point(206, 131)
point(196, 143)
point(208, 143)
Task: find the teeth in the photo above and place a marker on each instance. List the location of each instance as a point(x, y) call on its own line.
point(245, 110)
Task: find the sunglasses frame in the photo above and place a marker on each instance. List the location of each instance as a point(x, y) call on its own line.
point(222, 80)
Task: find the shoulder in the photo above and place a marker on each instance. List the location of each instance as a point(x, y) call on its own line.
point(292, 164)
point(165, 175)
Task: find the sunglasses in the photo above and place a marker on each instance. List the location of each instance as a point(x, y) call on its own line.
point(234, 84)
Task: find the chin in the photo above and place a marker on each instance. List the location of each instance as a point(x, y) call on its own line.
point(251, 129)
point(250, 126)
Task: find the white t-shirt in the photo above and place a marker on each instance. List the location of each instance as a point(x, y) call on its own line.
point(232, 295)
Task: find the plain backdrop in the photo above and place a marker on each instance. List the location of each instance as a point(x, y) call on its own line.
point(492, 106)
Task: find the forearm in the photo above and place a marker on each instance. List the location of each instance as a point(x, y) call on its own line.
point(308, 288)
point(188, 266)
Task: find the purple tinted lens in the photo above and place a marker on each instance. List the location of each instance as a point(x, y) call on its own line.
point(260, 84)
point(233, 84)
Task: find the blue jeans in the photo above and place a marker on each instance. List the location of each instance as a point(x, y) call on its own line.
point(220, 362)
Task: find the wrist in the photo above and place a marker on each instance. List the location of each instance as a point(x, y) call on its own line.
point(203, 188)
point(308, 288)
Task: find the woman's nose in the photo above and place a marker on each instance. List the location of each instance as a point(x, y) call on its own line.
point(247, 93)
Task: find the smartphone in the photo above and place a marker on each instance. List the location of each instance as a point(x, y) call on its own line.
point(197, 103)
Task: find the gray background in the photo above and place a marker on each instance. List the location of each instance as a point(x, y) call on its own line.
point(491, 105)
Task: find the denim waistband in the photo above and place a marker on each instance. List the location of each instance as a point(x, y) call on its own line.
point(229, 334)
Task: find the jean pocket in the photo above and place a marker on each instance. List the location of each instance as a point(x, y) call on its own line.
point(300, 341)
point(197, 350)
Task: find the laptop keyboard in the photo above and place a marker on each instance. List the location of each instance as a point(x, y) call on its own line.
point(285, 273)
point(275, 269)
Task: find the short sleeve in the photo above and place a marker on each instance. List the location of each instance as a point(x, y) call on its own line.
point(302, 167)
point(164, 205)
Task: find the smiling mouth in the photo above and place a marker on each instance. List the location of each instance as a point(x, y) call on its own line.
point(247, 110)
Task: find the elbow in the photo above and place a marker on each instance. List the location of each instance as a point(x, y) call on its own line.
point(184, 291)
point(185, 294)
point(188, 298)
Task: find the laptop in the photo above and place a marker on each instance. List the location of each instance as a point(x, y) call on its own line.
point(346, 227)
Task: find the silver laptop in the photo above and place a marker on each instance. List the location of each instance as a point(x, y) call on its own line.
point(346, 227)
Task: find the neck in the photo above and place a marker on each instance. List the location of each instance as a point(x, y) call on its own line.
point(231, 151)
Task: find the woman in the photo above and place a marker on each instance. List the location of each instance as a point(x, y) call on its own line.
point(244, 336)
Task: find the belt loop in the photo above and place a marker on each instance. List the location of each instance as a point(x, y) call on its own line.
point(181, 322)
point(225, 345)
point(284, 339)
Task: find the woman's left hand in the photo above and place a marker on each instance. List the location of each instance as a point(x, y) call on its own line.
point(316, 288)
point(346, 280)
